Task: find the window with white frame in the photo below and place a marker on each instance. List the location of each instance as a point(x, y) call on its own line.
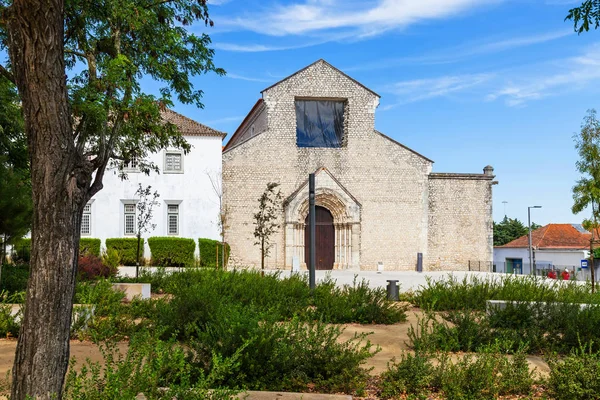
point(173, 219)
point(86, 221)
point(129, 218)
point(173, 162)
point(131, 165)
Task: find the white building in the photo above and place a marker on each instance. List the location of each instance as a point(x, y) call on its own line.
point(554, 246)
point(189, 206)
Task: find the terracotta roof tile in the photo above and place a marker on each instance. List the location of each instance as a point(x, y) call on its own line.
point(554, 236)
point(188, 126)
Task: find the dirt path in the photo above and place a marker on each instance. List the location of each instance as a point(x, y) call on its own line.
point(392, 339)
point(80, 350)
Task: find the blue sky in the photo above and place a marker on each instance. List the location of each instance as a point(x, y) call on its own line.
point(464, 82)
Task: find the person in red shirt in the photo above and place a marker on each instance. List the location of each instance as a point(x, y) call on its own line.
point(552, 274)
point(565, 275)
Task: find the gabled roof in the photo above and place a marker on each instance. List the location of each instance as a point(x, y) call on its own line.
point(189, 127)
point(553, 236)
point(329, 65)
point(232, 139)
point(403, 146)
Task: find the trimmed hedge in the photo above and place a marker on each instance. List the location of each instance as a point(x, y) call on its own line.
point(127, 248)
point(89, 246)
point(172, 251)
point(208, 252)
point(22, 248)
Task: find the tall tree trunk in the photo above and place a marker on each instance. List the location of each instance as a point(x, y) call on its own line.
point(36, 51)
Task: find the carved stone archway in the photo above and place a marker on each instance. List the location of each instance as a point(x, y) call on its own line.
point(345, 209)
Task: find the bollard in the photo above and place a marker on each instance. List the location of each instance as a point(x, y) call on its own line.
point(392, 289)
point(419, 262)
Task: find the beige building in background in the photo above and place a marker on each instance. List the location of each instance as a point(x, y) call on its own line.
point(378, 201)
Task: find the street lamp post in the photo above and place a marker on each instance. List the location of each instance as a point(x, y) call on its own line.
point(530, 249)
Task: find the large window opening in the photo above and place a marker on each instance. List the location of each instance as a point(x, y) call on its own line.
point(319, 123)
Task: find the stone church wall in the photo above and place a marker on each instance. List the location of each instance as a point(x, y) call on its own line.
point(388, 180)
point(460, 221)
point(404, 208)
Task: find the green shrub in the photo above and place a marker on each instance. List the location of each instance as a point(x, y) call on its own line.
point(89, 246)
point(158, 369)
point(21, 251)
point(487, 375)
point(172, 252)
point(411, 375)
point(112, 259)
point(13, 278)
point(196, 290)
point(101, 294)
point(472, 292)
point(110, 320)
point(355, 303)
point(9, 327)
point(576, 376)
point(127, 248)
point(208, 249)
point(158, 279)
point(288, 356)
point(539, 328)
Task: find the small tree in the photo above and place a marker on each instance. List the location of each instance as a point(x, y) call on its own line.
point(265, 220)
point(216, 182)
point(145, 207)
point(586, 192)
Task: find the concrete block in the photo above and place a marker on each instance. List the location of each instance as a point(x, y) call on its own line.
point(131, 290)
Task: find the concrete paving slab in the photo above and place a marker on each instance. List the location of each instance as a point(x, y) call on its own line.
point(254, 395)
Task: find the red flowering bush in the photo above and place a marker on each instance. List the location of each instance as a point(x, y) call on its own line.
point(91, 267)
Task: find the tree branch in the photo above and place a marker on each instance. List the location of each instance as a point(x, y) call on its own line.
point(7, 74)
point(75, 53)
point(158, 3)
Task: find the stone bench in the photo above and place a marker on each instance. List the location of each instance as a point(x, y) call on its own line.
point(497, 305)
point(132, 290)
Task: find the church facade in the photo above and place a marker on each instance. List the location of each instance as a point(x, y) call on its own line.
point(378, 202)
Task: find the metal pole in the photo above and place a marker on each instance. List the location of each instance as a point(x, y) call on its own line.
point(529, 226)
point(312, 220)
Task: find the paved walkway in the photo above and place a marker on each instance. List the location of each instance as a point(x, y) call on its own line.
point(408, 280)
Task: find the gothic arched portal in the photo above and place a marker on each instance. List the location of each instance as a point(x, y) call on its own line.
point(339, 210)
point(324, 238)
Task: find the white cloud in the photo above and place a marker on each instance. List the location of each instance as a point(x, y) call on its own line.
point(357, 16)
point(423, 89)
point(245, 78)
point(459, 53)
point(563, 2)
point(570, 74)
point(224, 120)
point(256, 48)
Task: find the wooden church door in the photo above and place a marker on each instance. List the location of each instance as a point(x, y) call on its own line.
point(324, 240)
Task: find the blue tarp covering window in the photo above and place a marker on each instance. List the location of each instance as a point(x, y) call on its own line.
point(319, 123)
